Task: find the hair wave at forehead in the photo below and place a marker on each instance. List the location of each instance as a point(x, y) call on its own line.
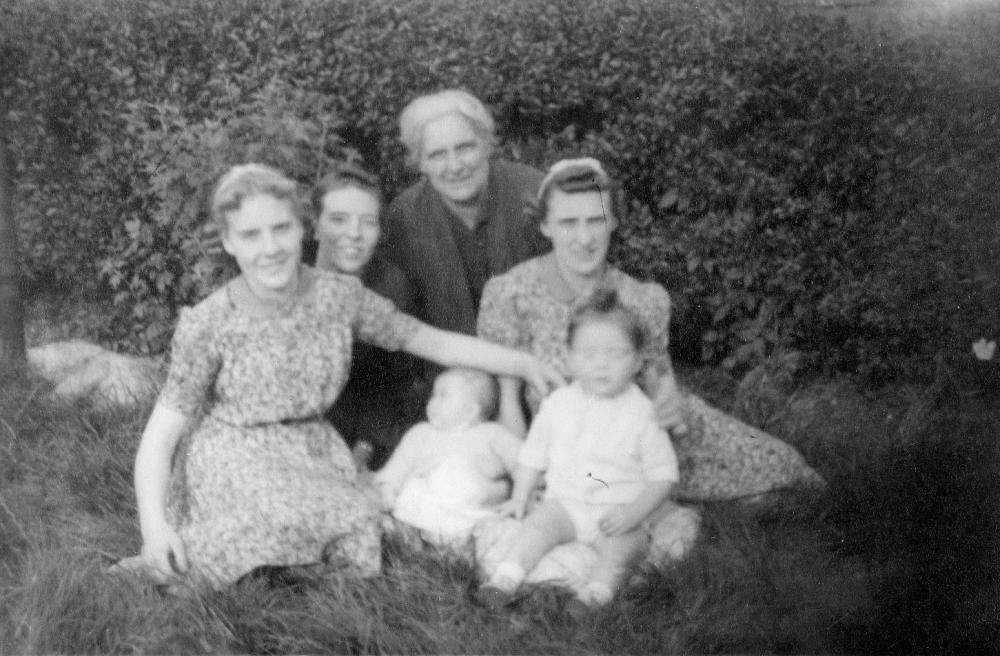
point(424, 109)
point(575, 176)
point(347, 175)
point(246, 181)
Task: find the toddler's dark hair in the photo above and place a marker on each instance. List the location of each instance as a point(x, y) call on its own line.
point(603, 305)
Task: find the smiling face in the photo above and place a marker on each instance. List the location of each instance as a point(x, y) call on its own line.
point(264, 235)
point(602, 357)
point(348, 230)
point(454, 158)
point(579, 225)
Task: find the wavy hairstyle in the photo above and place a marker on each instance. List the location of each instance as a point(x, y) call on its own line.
point(575, 176)
point(344, 175)
point(246, 181)
point(424, 109)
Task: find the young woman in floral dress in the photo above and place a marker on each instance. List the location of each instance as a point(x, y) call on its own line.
point(577, 208)
point(267, 481)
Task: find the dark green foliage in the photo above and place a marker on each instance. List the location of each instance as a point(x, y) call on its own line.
point(796, 184)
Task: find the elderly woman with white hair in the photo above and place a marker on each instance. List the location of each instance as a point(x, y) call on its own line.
point(463, 222)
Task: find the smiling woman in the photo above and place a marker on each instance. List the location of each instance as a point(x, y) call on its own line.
point(463, 222)
point(384, 392)
point(263, 480)
point(577, 207)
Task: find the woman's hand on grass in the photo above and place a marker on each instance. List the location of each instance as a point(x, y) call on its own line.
point(164, 550)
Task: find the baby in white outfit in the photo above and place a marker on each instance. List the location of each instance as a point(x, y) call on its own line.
point(451, 471)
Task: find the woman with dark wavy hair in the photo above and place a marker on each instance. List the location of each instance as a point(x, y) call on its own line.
point(577, 208)
point(266, 480)
point(384, 394)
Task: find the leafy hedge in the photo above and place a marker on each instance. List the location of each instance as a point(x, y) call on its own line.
point(796, 185)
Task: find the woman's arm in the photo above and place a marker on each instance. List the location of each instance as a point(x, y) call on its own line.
point(152, 473)
point(511, 413)
point(456, 350)
point(659, 381)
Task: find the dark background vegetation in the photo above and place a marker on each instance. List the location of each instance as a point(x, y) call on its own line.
point(797, 184)
point(800, 184)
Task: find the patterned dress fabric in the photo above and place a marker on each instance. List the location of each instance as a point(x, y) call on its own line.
point(720, 457)
point(264, 479)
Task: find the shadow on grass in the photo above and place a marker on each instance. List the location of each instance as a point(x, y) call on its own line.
point(924, 518)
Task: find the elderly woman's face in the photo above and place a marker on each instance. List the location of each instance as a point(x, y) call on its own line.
point(579, 224)
point(348, 230)
point(454, 158)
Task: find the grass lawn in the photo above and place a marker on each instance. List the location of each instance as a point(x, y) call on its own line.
point(897, 556)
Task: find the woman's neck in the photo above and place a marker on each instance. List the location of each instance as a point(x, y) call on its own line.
point(467, 211)
point(264, 302)
point(574, 284)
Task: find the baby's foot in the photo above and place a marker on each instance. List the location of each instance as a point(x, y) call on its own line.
point(596, 594)
point(498, 592)
point(493, 597)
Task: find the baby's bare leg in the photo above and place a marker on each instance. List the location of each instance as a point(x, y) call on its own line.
point(616, 555)
point(545, 528)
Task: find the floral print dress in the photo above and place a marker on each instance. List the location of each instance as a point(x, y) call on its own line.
point(720, 457)
point(264, 479)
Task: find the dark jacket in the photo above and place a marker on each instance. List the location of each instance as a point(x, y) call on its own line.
point(420, 240)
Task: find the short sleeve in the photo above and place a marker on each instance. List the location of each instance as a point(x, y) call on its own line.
point(534, 452)
point(379, 322)
point(659, 460)
point(498, 322)
point(194, 363)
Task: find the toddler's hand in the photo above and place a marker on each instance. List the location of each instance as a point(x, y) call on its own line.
point(668, 415)
point(617, 522)
point(675, 426)
point(511, 508)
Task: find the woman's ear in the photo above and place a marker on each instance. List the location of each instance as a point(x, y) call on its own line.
point(226, 246)
point(543, 227)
